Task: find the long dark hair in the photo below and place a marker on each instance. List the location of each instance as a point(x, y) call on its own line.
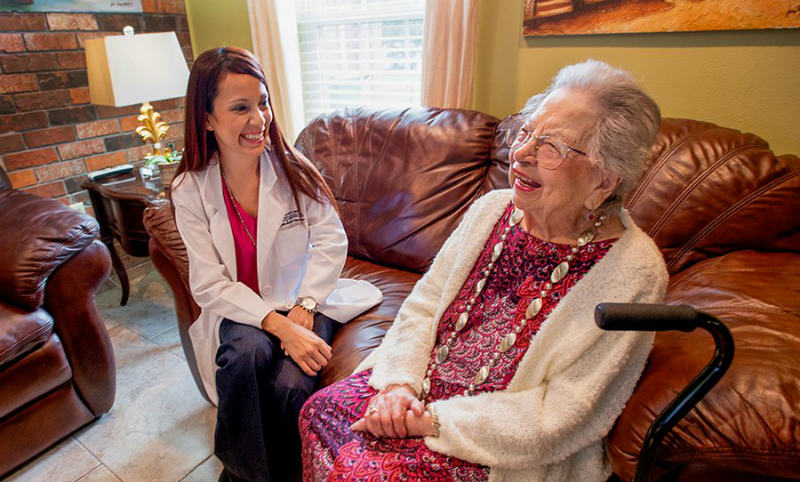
point(208, 70)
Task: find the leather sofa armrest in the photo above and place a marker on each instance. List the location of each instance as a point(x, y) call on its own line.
point(70, 299)
point(746, 422)
point(159, 221)
point(37, 235)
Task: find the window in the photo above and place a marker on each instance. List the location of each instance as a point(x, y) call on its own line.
point(360, 53)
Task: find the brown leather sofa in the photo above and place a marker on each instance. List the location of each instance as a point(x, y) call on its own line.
point(56, 361)
point(721, 206)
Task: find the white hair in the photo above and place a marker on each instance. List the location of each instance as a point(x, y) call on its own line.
point(627, 121)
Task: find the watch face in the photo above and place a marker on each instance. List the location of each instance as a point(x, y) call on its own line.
point(309, 304)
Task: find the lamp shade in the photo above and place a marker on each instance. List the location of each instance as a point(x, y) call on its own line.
point(133, 69)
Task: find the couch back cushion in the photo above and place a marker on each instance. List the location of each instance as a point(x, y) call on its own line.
point(52, 234)
point(21, 331)
point(709, 190)
point(403, 178)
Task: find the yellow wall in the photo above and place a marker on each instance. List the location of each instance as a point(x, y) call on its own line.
point(217, 23)
point(748, 80)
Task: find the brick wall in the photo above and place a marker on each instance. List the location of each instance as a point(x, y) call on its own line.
point(50, 134)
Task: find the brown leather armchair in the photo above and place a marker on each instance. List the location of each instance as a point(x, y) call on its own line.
point(56, 361)
point(720, 205)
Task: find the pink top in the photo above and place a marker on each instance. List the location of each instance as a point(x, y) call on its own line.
point(246, 265)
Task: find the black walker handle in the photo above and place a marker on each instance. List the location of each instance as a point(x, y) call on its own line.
point(656, 317)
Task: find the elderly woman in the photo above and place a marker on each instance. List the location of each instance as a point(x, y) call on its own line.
point(494, 368)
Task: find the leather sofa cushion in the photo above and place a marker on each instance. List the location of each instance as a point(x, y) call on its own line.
point(711, 190)
point(402, 178)
point(22, 331)
point(33, 375)
point(357, 338)
point(37, 236)
point(749, 422)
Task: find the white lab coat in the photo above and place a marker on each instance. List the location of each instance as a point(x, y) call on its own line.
point(295, 258)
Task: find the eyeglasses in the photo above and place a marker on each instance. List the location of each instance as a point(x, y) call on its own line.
point(549, 152)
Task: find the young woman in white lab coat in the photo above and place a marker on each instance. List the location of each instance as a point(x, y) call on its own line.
point(266, 249)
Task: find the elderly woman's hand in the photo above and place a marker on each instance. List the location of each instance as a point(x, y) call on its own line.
point(387, 412)
point(419, 425)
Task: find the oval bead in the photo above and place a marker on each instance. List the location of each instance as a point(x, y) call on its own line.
point(559, 272)
point(586, 237)
point(441, 353)
point(507, 342)
point(426, 387)
point(496, 251)
point(516, 217)
point(462, 321)
point(479, 286)
point(481, 376)
point(533, 308)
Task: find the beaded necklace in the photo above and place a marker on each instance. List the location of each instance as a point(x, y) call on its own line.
point(508, 341)
point(236, 208)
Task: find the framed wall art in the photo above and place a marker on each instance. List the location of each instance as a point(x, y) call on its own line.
point(576, 17)
point(71, 6)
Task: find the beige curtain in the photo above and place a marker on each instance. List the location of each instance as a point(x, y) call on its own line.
point(273, 26)
point(448, 58)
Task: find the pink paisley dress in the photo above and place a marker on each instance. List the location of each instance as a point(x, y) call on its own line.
point(334, 453)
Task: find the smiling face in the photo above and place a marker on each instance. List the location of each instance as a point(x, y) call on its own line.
point(556, 200)
point(240, 116)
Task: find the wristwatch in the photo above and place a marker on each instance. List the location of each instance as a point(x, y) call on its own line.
point(307, 303)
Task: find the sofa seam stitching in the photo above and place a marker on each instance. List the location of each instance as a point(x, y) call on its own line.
point(727, 214)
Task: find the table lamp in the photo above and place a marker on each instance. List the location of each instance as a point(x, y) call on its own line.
point(131, 69)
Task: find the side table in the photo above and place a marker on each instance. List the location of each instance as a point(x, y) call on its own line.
point(119, 202)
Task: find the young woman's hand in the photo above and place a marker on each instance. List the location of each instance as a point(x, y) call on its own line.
point(308, 350)
point(388, 412)
point(302, 317)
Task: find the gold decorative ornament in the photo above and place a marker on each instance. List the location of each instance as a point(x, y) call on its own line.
point(152, 129)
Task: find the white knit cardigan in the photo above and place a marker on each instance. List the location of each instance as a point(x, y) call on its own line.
point(571, 384)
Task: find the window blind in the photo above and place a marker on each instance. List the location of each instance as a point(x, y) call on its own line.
point(360, 53)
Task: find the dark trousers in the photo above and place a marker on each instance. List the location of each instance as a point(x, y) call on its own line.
point(261, 392)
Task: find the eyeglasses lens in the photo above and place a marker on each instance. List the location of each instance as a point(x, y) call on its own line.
point(547, 155)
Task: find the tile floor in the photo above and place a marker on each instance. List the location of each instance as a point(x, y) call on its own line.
point(160, 428)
